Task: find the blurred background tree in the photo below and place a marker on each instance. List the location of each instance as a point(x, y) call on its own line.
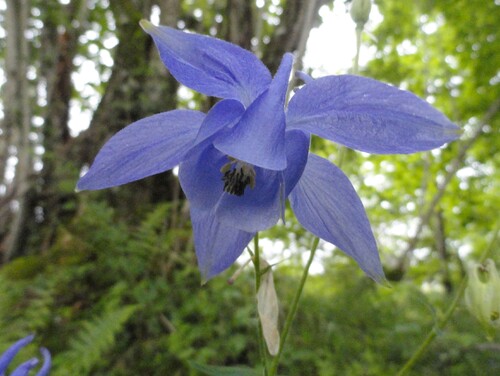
point(108, 279)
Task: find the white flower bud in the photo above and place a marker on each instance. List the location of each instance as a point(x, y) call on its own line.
point(360, 11)
point(267, 306)
point(482, 295)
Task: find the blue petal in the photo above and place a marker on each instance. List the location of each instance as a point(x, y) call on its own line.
point(201, 179)
point(209, 65)
point(146, 147)
point(47, 362)
point(257, 209)
point(326, 204)
point(11, 352)
point(223, 115)
point(24, 368)
point(368, 115)
point(259, 138)
point(261, 207)
point(217, 246)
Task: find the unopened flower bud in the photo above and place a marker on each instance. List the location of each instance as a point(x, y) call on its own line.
point(360, 11)
point(267, 306)
point(482, 295)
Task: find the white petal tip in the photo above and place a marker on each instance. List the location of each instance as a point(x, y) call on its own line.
point(146, 25)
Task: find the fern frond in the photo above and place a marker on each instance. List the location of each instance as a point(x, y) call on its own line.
point(95, 338)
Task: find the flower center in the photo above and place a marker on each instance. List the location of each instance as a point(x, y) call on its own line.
point(236, 176)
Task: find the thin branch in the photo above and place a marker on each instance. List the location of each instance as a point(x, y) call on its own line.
point(440, 236)
point(454, 167)
point(293, 309)
point(487, 347)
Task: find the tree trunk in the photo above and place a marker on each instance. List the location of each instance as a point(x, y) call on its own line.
point(292, 32)
point(55, 199)
point(16, 125)
point(139, 86)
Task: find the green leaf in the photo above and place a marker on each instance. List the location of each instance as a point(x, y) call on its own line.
point(224, 371)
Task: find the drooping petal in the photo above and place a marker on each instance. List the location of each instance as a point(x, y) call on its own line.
point(261, 207)
point(47, 362)
point(259, 137)
point(217, 246)
point(368, 115)
point(210, 65)
point(326, 204)
point(24, 368)
point(11, 352)
point(146, 147)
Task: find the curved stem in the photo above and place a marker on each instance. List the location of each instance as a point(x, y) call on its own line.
point(451, 309)
point(293, 309)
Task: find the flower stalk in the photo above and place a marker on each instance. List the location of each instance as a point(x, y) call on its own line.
point(360, 13)
point(293, 309)
point(258, 276)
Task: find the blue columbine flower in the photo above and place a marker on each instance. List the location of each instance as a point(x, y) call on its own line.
point(24, 368)
point(241, 160)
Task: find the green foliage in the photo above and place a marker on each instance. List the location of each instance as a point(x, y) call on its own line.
point(110, 299)
point(93, 341)
point(454, 66)
point(224, 371)
point(349, 326)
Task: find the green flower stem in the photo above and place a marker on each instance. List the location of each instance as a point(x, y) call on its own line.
point(293, 309)
point(258, 274)
point(440, 324)
point(435, 330)
point(256, 261)
point(359, 31)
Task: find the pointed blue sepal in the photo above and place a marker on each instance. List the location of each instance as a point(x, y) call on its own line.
point(325, 203)
point(368, 115)
point(149, 146)
point(209, 65)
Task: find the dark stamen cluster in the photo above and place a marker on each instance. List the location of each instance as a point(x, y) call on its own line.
point(235, 181)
